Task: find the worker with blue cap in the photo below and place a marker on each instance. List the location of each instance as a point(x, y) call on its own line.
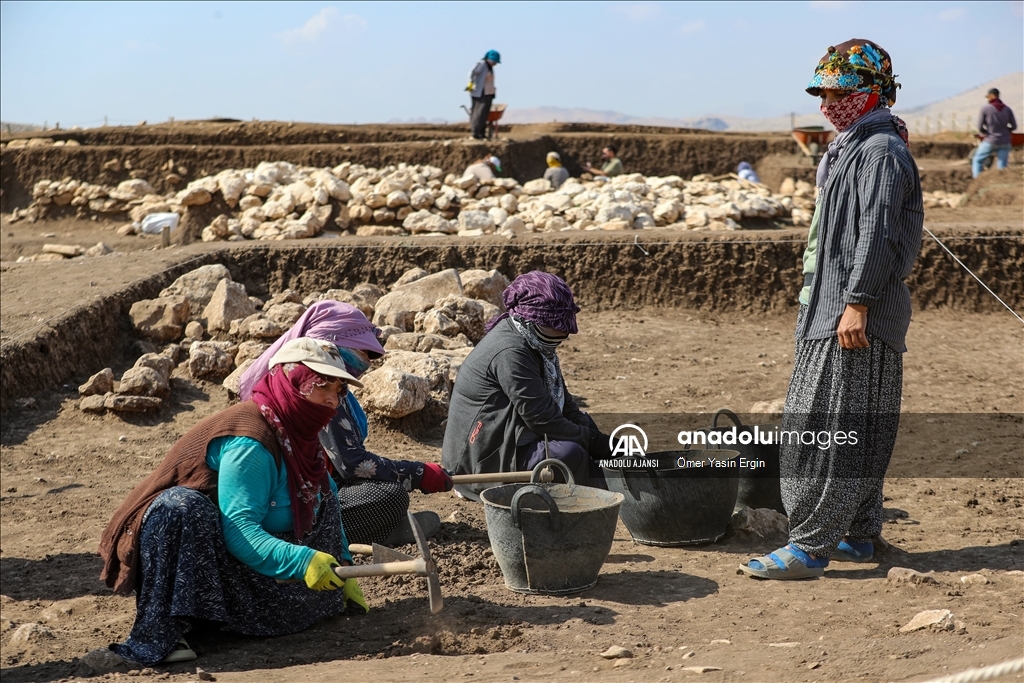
point(481, 89)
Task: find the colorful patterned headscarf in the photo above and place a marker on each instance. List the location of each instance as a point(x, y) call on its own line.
point(542, 299)
point(857, 65)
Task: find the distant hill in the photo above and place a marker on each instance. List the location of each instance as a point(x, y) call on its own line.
point(964, 107)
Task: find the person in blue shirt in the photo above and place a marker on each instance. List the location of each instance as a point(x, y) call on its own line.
point(239, 525)
point(373, 490)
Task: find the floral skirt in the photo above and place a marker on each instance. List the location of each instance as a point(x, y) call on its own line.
point(187, 574)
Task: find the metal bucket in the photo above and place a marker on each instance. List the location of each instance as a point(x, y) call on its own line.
point(550, 538)
point(759, 488)
point(669, 506)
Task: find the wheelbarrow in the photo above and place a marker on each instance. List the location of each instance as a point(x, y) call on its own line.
point(497, 111)
point(812, 140)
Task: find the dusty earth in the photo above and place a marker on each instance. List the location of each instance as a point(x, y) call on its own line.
point(63, 472)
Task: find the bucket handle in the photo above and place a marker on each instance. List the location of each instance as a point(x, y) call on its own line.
point(728, 413)
point(535, 477)
point(535, 490)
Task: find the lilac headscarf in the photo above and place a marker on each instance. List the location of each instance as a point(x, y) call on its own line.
point(542, 299)
point(333, 321)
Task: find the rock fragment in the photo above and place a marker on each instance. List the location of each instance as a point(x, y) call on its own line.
point(160, 319)
point(901, 575)
point(935, 619)
point(100, 383)
point(616, 651)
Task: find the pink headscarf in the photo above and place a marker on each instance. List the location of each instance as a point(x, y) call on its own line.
point(333, 321)
point(297, 422)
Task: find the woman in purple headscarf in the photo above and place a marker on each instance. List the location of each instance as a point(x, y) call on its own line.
point(373, 490)
point(510, 393)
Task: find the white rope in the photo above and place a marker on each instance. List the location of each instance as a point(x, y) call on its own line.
point(987, 673)
point(973, 275)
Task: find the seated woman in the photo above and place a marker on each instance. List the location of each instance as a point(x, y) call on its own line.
point(373, 491)
point(510, 394)
point(239, 524)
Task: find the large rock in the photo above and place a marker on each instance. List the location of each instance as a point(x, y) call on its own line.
point(537, 187)
point(26, 634)
point(476, 220)
point(229, 302)
point(760, 521)
point(232, 381)
point(435, 286)
point(435, 321)
point(935, 619)
point(455, 358)
point(261, 328)
point(142, 381)
point(160, 319)
point(414, 341)
point(484, 284)
point(160, 362)
point(284, 313)
point(249, 350)
point(208, 360)
point(408, 276)
point(423, 221)
point(132, 404)
point(100, 383)
point(399, 308)
point(468, 313)
point(393, 393)
point(198, 286)
point(95, 403)
point(433, 368)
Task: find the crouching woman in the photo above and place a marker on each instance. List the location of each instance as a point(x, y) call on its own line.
point(510, 395)
point(239, 524)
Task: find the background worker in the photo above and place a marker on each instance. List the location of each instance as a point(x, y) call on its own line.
point(481, 90)
point(995, 123)
point(487, 168)
point(556, 173)
point(612, 165)
point(746, 172)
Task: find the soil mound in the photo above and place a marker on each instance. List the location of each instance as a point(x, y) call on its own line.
point(996, 188)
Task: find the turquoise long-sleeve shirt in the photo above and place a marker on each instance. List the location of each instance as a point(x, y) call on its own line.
point(252, 492)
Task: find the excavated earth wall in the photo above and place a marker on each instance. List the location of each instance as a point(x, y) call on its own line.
point(207, 148)
point(752, 271)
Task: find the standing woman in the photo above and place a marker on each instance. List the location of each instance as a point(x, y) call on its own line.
point(373, 490)
point(853, 319)
point(241, 503)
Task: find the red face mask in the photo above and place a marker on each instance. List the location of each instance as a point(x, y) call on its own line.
point(845, 112)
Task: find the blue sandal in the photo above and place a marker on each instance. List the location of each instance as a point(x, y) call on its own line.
point(854, 552)
point(789, 563)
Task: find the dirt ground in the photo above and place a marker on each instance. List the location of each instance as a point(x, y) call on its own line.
point(63, 472)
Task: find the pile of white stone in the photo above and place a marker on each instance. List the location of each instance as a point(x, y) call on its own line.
point(279, 200)
point(429, 323)
point(626, 202)
point(798, 196)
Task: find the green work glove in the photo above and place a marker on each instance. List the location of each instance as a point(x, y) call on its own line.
point(320, 574)
point(353, 593)
point(469, 87)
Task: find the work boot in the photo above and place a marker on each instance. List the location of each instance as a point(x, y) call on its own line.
point(430, 524)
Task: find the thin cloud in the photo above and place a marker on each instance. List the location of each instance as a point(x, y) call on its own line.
point(692, 27)
point(953, 14)
point(829, 5)
point(636, 11)
point(328, 20)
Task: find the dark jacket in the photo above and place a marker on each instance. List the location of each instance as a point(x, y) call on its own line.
point(500, 401)
point(869, 235)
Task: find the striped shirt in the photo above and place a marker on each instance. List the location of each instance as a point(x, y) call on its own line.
point(869, 235)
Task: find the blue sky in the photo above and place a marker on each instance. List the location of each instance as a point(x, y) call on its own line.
point(344, 62)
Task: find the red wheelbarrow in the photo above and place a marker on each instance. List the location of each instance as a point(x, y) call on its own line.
point(812, 140)
point(497, 111)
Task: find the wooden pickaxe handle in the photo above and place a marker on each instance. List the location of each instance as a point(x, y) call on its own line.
point(417, 567)
point(495, 477)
